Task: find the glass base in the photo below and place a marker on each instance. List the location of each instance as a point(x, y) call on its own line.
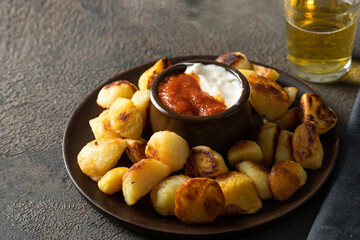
point(320, 78)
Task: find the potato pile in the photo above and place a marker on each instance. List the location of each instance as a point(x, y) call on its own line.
point(197, 185)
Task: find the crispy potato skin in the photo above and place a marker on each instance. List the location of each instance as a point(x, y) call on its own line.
point(290, 119)
point(307, 148)
point(316, 110)
point(204, 162)
point(267, 97)
point(99, 156)
point(141, 100)
point(267, 140)
point(111, 182)
point(149, 75)
point(284, 149)
point(199, 201)
point(97, 126)
point(110, 92)
point(135, 149)
point(240, 193)
point(141, 178)
point(268, 73)
point(236, 60)
point(244, 150)
point(162, 196)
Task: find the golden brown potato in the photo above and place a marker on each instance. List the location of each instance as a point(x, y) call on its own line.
point(97, 126)
point(142, 177)
point(135, 149)
point(149, 75)
point(169, 148)
point(244, 150)
point(240, 193)
point(267, 97)
point(199, 201)
point(110, 92)
point(259, 175)
point(124, 119)
point(236, 60)
point(99, 156)
point(266, 138)
point(111, 182)
point(285, 178)
point(291, 92)
point(284, 150)
point(141, 100)
point(315, 109)
point(268, 73)
point(307, 148)
point(204, 162)
point(162, 196)
point(246, 72)
point(290, 119)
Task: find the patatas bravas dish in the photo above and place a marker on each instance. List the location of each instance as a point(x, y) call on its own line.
point(198, 184)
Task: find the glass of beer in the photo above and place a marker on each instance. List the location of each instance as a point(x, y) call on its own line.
point(320, 37)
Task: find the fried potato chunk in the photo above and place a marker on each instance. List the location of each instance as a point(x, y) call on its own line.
point(240, 193)
point(135, 149)
point(291, 92)
point(284, 149)
point(199, 201)
point(268, 73)
point(235, 59)
point(111, 182)
point(142, 177)
point(307, 148)
point(99, 156)
point(246, 72)
point(124, 119)
point(204, 162)
point(285, 178)
point(141, 100)
point(290, 119)
point(169, 148)
point(110, 92)
point(266, 138)
point(149, 75)
point(162, 196)
point(267, 97)
point(315, 109)
point(97, 126)
point(244, 150)
point(259, 175)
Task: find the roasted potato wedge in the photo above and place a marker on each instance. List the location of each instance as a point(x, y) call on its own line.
point(110, 92)
point(162, 196)
point(236, 60)
point(169, 148)
point(285, 178)
point(240, 193)
point(315, 109)
point(124, 119)
point(141, 178)
point(259, 175)
point(141, 100)
point(149, 75)
point(267, 138)
point(284, 149)
point(307, 148)
point(135, 149)
point(99, 156)
point(291, 92)
point(290, 119)
point(246, 72)
point(199, 201)
point(268, 73)
point(244, 150)
point(111, 182)
point(267, 97)
point(98, 128)
point(204, 162)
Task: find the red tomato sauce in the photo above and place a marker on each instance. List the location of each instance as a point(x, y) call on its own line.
point(182, 94)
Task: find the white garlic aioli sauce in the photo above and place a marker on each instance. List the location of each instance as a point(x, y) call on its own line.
point(217, 82)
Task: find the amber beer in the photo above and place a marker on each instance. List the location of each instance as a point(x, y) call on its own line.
point(320, 37)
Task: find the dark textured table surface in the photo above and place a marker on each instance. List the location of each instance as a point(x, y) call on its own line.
point(53, 53)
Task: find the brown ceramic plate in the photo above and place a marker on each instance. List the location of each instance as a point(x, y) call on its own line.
point(141, 217)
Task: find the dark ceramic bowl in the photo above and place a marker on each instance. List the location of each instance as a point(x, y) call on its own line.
point(219, 131)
